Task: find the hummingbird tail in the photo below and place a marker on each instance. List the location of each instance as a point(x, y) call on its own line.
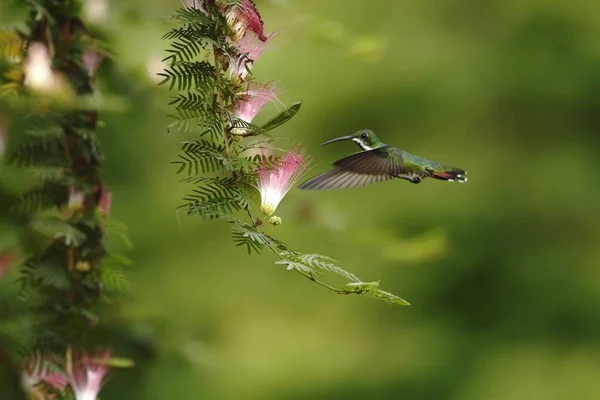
point(450, 174)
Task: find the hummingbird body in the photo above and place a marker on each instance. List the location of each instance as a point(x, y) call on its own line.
point(379, 162)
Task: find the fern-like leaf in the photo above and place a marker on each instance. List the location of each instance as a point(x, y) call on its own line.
point(255, 240)
point(371, 289)
point(54, 228)
point(314, 263)
point(11, 45)
point(185, 49)
point(44, 274)
point(185, 75)
point(49, 194)
point(216, 198)
point(201, 157)
point(113, 276)
point(43, 147)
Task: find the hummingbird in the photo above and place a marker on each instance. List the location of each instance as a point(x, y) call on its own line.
point(379, 162)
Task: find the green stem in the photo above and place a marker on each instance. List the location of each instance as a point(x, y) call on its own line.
point(312, 278)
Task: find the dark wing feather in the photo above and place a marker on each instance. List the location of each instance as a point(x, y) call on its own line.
point(340, 179)
point(380, 161)
point(358, 169)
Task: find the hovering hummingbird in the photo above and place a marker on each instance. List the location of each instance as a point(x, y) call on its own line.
point(377, 163)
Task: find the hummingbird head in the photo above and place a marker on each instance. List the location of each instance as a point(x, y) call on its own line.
point(364, 138)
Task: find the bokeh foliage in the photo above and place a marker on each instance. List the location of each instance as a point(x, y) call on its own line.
point(502, 272)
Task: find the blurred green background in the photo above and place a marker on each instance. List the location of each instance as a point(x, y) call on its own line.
point(503, 273)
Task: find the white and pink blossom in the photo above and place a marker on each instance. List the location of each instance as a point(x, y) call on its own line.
point(105, 202)
point(275, 183)
point(243, 17)
point(96, 11)
point(37, 371)
point(91, 60)
point(194, 4)
point(76, 198)
point(250, 48)
point(38, 68)
point(88, 374)
point(253, 100)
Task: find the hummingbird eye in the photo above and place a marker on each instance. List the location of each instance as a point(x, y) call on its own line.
point(365, 135)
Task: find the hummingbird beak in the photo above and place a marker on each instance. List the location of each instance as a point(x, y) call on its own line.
point(337, 139)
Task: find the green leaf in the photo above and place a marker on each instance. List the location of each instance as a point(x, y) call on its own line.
point(314, 263)
point(55, 228)
point(119, 229)
point(201, 157)
point(44, 274)
point(186, 75)
point(112, 275)
point(255, 240)
point(11, 44)
point(371, 289)
point(114, 362)
point(282, 117)
point(39, 198)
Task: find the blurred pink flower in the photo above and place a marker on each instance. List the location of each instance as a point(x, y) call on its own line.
point(105, 202)
point(250, 48)
point(91, 60)
point(2, 141)
point(274, 183)
point(253, 100)
point(88, 373)
point(244, 17)
point(96, 11)
point(6, 258)
point(36, 370)
point(38, 68)
point(76, 198)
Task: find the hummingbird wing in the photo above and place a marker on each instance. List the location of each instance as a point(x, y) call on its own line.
point(340, 179)
point(358, 169)
point(384, 160)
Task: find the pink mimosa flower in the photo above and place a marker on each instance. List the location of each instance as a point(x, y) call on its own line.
point(274, 184)
point(253, 99)
point(105, 202)
point(87, 376)
point(37, 370)
point(244, 17)
point(2, 141)
point(6, 258)
point(91, 60)
point(194, 4)
point(250, 48)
